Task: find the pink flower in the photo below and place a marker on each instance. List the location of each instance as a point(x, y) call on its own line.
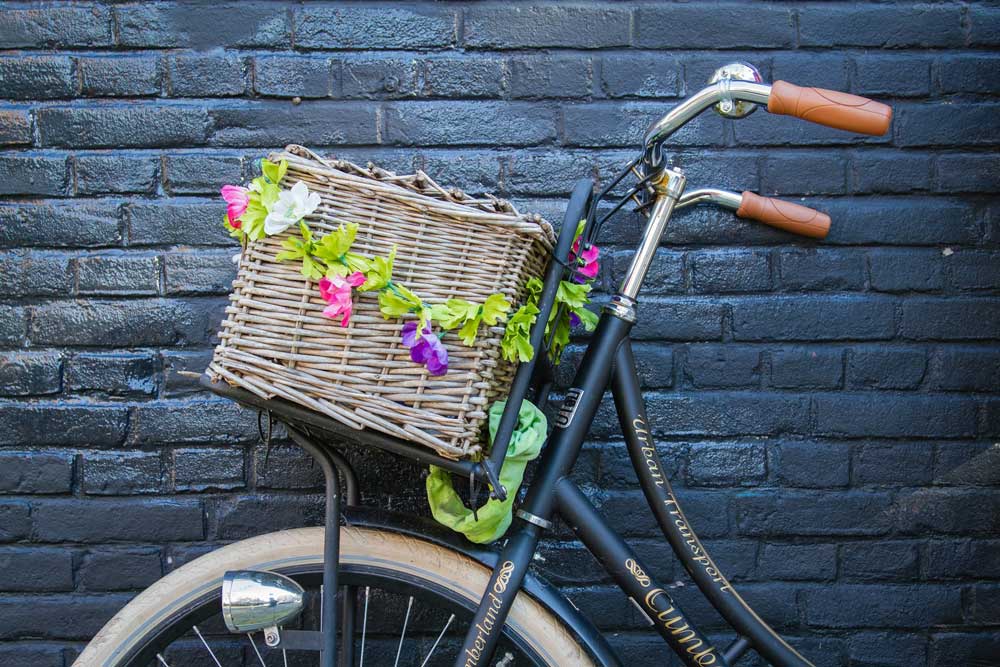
point(588, 266)
point(336, 291)
point(426, 348)
point(237, 199)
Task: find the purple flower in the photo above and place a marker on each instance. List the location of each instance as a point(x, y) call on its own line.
point(425, 348)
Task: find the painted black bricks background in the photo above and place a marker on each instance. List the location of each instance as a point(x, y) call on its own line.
point(830, 412)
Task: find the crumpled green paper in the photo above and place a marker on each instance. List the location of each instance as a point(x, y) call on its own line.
point(495, 516)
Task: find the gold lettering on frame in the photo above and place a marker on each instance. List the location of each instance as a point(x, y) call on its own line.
point(697, 551)
point(485, 628)
point(673, 620)
point(648, 451)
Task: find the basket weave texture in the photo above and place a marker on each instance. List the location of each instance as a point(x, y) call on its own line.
point(275, 342)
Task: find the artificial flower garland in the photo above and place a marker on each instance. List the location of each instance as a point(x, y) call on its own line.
point(264, 209)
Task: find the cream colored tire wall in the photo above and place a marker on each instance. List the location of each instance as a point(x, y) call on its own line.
point(304, 546)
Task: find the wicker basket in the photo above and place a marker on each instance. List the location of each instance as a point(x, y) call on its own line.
point(276, 343)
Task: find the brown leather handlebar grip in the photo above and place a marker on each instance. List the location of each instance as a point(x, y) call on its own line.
point(831, 108)
point(785, 215)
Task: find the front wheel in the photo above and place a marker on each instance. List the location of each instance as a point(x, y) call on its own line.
point(414, 603)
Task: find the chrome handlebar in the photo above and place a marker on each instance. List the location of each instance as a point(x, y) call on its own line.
point(720, 91)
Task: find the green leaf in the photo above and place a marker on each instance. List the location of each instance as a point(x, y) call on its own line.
point(495, 309)
point(392, 305)
point(380, 274)
point(469, 330)
point(574, 295)
point(588, 318)
point(356, 262)
point(274, 172)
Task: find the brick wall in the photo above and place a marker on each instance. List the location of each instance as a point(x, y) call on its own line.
point(829, 411)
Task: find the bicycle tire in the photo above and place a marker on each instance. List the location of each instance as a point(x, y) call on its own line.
point(301, 550)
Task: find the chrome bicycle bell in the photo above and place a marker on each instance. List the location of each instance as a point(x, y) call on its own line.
point(728, 107)
point(253, 600)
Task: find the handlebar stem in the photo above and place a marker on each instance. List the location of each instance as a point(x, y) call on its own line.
point(669, 186)
point(723, 198)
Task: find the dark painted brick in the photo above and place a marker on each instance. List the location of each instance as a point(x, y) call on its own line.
point(200, 174)
point(95, 521)
point(116, 173)
point(890, 172)
point(199, 272)
point(883, 561)
point(726, 464)
point(449, 123)
point(880, 73)
point(33, 653)
point(885, 368)
point(120, 76)
point(697, 24)
point(192, 222)
point(832, 513)
point(812, 464)
point(946, 125)
point(891, 649)
point(985, 26)
point(83, 25)
point(13, 324)
point(469, 171)
point(463, 77)
point(765, 130)
point(203, 26)
point(903, 416)
point(203, 469)
point(120, 569)
point(294, 76)
point(821, 269)
point(379, 78)
point(122, 473)
point(35, 273)
point(175, 363)
point(533, 172)
point(899, 221)
point(15, 127)
point(816, 318)
point(804, 173)
point(61, 424)
point(287, 468)
point(881, 26)
point(118, 127)
point(120, 273)
point(895, 270)
point(242, 516)
point(507, 27)
point(715, 366)
point(33, 175)
point(550, 76)
point(36, 472)
point(640, 75)
point(819, 70)
point(264, 123)
point(969, 270)
point(730, 271)
point(25, 373)
point(798, 562)
point(36, 570)
point(966, 74)
point(806, 368)
point(729, 414)
point(192, 421)
point(121, 374)
point(954, 318)
point(949, 511)
point(969, 463)
point(15, 520)
point(679, 319)
point(949, 648)
point(36, 77)
point(965, 558)
point(353, 26)
point(198, 75)
point(665, 276)
point(127, 322)
point(887, 463)
point(966, 369)
point(655, 365)
point(888, 606)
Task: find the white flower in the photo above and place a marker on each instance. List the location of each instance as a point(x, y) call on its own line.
point(292, 206)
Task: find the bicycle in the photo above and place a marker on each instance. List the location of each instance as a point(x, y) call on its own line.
point(427, 582)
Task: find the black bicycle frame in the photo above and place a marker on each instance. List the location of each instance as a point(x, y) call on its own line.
point(609, 360)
